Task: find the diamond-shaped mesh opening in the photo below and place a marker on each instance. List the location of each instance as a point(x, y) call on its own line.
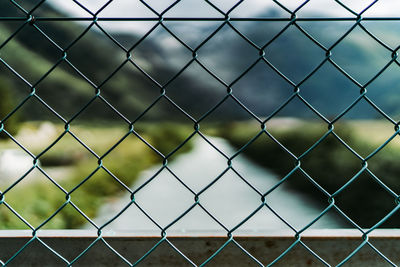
point(95, 136)
point(306, 191)
point(262, 90)
point(256, 176)
point(334, 173)
point(210, 157)
point(360, 45)
point(95, 67)
point(327, 99)
point(235, 198)
point(358, 194)
point(267, 152)
point(130, 91)
point(285, 52)
point(37, 136)
point(53, 88)
point(127, 159)
point(178, 117)
point(27, 62)
point(35, 205)
point(165, 51)
point(159, 191)
point(205, 91)
point(91, 193)
point(227, 69)
point(40, 45)
point(388, 79)
point(379, 132)
point(66, 160)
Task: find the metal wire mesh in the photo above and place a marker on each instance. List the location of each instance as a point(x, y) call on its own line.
point(27, 19)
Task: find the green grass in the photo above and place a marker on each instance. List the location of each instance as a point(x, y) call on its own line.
point(37, 200)
point(331, 164)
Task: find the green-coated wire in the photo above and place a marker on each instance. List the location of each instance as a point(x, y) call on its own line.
point(292, 21)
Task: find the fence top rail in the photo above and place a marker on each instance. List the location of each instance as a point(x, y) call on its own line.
point(311, 233)
point(275, 19)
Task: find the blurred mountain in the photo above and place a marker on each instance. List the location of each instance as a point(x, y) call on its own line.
point(95, 62)
point(94, 58)
point(296, 56)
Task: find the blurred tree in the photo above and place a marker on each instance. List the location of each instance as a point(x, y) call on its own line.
point(7, 103)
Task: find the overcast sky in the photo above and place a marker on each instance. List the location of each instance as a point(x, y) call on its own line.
point(199, 8)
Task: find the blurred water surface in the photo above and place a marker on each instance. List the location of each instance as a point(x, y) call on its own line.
point(230, 200)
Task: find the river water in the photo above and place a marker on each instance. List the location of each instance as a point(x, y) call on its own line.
point(229, 200)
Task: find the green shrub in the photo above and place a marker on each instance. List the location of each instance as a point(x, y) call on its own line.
point(41, 199)
point(330, 164)
point(8, 103)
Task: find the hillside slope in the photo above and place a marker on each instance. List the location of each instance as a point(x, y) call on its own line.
point(227, 55)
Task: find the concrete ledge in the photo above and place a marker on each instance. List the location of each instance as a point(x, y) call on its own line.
point(331, 245)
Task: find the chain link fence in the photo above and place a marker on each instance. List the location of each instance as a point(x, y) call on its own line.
point(26, 18)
